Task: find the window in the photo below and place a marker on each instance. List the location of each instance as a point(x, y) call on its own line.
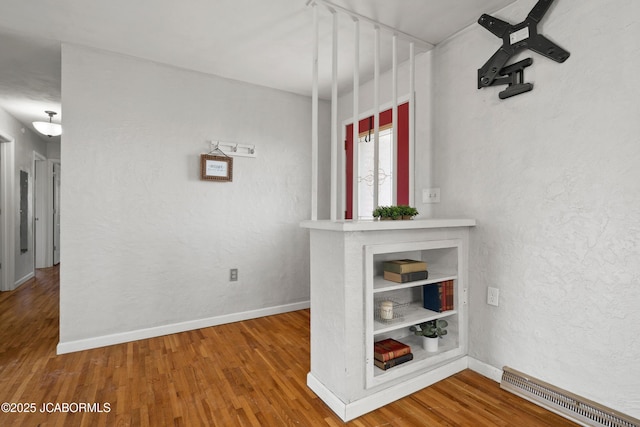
point(388, 175)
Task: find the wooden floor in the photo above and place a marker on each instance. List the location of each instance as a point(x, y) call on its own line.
point(250, 373)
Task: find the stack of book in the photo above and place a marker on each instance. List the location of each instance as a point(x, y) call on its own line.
point(405, 270)
point(389, 353)
point(438, 296)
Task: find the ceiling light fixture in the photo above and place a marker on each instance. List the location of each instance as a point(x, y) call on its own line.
point(48, 128)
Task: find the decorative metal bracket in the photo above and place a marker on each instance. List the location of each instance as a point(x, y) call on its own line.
point(516, 38)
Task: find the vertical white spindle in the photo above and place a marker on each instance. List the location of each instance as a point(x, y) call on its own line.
point(314, 119)
point(394, 118)
point(412, 123)
point(356, 94)
point(376, 115)
point(334, 119)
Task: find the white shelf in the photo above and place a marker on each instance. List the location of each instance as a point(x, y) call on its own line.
point(413, 315)
point(376, 225)
point(445, 261)
point(447, 347)
point(382, 285)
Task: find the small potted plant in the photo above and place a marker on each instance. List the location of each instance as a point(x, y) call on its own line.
point(394, 212)
point(377, 212)
point(407, 212)
point(430, 332)
point(383, 212)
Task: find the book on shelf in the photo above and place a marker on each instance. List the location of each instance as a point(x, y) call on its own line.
point(402, 266)
point(432, 297)
point(438, 297)
point(393, 362)
point(406, 277)
point(447, 295)
point(388, 349)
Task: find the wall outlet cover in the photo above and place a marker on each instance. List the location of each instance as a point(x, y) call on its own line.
point(431, 195)
point(493, 296)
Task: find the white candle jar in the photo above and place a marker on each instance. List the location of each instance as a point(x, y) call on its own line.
point(386, 310)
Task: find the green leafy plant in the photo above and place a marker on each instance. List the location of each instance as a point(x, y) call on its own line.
point(394, 212)
point(408, 211)
point(431, 329)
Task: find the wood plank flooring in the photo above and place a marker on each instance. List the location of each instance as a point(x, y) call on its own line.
point(250, 373)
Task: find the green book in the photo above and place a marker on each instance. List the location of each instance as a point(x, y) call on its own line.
point(402, 266)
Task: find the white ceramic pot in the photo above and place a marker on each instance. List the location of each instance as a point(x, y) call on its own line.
point(430, 344)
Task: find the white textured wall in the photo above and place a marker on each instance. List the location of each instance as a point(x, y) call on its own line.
point(145, 242)
point(53, 150)
point(26, 142)
point(552, 177)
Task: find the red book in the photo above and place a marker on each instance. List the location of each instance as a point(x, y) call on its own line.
point(389, 349)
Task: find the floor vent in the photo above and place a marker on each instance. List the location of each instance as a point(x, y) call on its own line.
point(568, 405)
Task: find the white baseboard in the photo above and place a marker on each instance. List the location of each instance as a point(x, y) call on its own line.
point(331, 400)
point(105, 340)
point(23, 279)
point(485, 369)
point(349, 411)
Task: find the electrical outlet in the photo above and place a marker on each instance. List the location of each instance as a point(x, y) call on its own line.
point(431, 195)
point(233, 275)
point(493, 296)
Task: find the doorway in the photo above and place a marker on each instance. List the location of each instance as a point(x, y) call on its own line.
point(46, 208)
point(7, 215)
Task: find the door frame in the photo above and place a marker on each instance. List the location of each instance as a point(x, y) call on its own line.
point(7, 212)
point(53, 209)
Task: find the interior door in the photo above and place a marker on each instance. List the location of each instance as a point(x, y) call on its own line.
point(56, 213)
point(40, 209)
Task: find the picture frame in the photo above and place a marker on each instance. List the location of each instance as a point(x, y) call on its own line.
point(216, 168)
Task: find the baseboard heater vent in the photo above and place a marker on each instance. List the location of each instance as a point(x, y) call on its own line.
point(568, 405)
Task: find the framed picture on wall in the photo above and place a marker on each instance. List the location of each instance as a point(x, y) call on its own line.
point(216, 168)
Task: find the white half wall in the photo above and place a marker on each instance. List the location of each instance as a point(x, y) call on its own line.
point(147, 244)
point(552, 178)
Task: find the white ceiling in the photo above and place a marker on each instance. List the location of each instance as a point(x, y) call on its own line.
point(266, 42)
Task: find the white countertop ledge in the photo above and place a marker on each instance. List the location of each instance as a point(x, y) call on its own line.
point(378, 225)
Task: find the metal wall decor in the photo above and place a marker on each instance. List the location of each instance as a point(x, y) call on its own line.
point(516, 38)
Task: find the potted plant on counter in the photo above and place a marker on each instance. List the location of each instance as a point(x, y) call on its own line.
point(430, 332)
point(408, 212)
point(394, 212)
